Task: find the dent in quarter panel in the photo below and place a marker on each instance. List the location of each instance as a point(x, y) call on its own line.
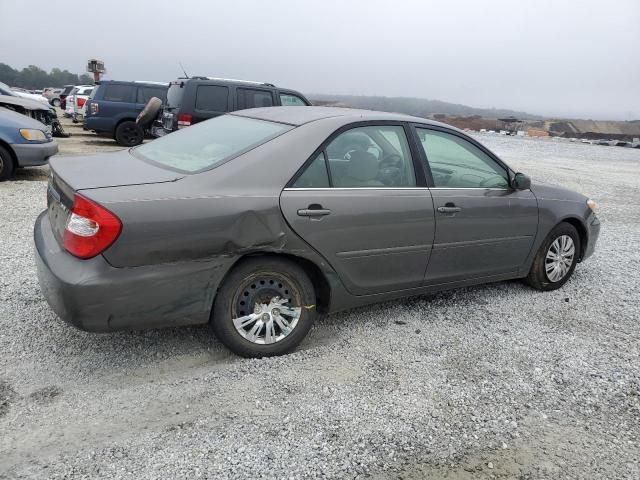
point(180, 229)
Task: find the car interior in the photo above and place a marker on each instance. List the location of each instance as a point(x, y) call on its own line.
point(457, 163)
point(376, 156)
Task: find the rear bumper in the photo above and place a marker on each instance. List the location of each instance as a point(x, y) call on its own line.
point(94, 296)
point(32, 155)
point(592, 235)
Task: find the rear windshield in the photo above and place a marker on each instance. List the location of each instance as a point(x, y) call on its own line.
point(209, 144)
point(174, 94)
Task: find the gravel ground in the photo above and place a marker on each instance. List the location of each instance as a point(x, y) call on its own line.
point(498, 381)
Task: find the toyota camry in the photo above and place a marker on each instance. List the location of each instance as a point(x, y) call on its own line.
point(259, 220)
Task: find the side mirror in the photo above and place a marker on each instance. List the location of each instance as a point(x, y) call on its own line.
point(521, 181)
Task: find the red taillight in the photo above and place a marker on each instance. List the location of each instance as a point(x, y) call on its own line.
point(90, 228)
point(184, 120)
point(80, 101)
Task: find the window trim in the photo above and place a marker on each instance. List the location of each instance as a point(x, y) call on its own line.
point(413, 150)
point(427, 166)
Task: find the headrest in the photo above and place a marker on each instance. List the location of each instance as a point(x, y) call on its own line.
point(363, 166)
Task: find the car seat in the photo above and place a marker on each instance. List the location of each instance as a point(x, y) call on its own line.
point(362, 171)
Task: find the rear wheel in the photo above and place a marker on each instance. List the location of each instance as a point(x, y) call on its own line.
point(556, 260)
point(129, 134)
point(6, 164)
point(265, 307)
point(55, 102)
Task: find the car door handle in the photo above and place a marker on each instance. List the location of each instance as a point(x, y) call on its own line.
point(313, 211)
point(449, 209)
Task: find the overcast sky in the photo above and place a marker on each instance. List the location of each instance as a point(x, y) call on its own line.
point(550, 57)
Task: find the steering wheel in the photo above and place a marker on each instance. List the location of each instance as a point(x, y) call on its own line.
point(390, 171)
point(350, 149)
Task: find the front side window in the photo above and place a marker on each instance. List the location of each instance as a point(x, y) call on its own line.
point(372, 156)
point(288, 100)
point(212, 98)
point(119, 93)
point(249, 98)
point(209, 144)
point(457, 163)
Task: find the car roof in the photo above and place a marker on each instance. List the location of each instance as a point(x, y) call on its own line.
point(226, 81)
point(301, 115)
point(136, 82)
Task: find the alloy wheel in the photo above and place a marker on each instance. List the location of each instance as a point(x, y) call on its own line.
point(559, 258)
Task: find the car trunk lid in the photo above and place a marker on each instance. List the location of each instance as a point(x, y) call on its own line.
point(80, 174)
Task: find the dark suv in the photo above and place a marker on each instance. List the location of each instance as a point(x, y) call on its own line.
point(192, 100)
point(114, 106)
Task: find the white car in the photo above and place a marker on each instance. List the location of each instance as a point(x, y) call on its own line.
point(76, 101)
point(7, 90)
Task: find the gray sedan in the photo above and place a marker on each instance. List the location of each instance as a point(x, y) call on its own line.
point(259, 220)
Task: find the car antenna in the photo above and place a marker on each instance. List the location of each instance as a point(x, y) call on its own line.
point(183, 70)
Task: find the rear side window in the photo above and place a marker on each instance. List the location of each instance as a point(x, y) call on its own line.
point(249, 98)
point(288, 100)
point(145, 93)
point(212, 98)
point(119, 93)
point(209, 144)
point(315, 176)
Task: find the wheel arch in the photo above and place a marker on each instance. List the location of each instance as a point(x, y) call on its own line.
point(318, 278)
point(122, 120)
point(8, 148)
point(582, 232)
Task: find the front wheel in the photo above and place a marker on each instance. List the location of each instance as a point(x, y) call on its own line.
point(556, 259)
point(6, 164)
point(265, 307)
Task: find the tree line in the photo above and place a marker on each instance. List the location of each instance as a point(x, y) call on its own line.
point(33, 77)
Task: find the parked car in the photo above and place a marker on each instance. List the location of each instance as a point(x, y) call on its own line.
point(75, 102)
point(36, 110)
point(63, 96)
point(257, 220)
point(114, 106)
point(24, 142)
point(30, 108)
point(53, 95)
point(20, 92)
point(192, 100)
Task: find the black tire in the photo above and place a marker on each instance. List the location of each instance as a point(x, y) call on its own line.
point(55, 102)
point(259, 281)
point(6, 164)
point(538, 277)
point(149, 112)
point(129, 134)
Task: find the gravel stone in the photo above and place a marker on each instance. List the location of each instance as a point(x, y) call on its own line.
point(557, 382)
